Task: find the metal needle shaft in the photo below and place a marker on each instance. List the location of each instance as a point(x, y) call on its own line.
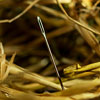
point(44, 35)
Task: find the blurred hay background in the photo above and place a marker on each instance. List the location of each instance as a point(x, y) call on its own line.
point(68, 46)
point(70, 42)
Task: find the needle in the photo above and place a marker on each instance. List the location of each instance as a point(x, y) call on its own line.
point(53, 61)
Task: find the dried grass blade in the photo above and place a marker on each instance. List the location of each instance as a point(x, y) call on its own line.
point(16, 70)
point(19, 15)
point(79, 88)
point(76, 22)
point(89, 38)
point(3, 67)
point(1, 49)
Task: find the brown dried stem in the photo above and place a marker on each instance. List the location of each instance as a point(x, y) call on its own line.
point(21, 14)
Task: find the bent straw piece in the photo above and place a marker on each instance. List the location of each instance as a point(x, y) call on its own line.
point(21, 14)
point(88, 67)
point(44, 35)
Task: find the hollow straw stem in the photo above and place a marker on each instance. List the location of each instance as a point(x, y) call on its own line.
point(51, 55)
